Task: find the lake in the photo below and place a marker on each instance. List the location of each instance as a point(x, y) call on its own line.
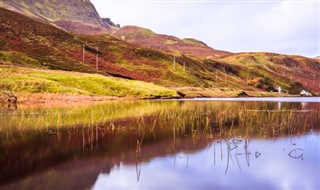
point(237, 143)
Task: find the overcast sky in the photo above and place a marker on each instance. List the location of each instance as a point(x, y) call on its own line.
point(289, 27)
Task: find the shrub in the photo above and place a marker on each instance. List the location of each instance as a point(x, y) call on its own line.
point(295, 88)
point(262, 83)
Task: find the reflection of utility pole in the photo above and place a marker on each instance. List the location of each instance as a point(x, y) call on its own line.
point(97, 61)
point(83, 49)
point(187, 165)
point(138, 170)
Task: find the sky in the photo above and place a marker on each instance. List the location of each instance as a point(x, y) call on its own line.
point(288, 27)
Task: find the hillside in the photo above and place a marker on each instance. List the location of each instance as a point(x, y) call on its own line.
point(72, 15)
point(29, 43)
point(25, 42)
point(148, 38)
point(288, 71)
point(27, 80)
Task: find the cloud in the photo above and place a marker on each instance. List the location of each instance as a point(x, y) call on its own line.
point(284, 27)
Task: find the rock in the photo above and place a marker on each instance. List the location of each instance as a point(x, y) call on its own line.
point(243, 94)
point(7, 98)
point(109, 22)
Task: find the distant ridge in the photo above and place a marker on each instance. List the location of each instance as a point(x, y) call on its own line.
point(148, 38)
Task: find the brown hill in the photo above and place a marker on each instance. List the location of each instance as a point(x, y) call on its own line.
point(289, 70)
point(148, 38)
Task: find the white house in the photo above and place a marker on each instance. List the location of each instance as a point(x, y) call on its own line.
point(278, 88)
point(305, 93)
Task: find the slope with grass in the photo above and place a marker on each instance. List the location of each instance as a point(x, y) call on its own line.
point(27, 80)
point(280, 70)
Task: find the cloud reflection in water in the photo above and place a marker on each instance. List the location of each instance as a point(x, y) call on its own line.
point(273, 169)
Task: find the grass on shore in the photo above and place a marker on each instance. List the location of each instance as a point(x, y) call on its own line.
point(18, 79)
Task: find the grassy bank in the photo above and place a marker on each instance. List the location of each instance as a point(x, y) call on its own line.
point(36, 81)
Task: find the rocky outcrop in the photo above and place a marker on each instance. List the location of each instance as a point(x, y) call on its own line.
point(110, 23)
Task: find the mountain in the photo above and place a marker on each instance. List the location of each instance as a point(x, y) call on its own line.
point(72, 15)
point(81, 17)
point(148, 38)
point(27, 42)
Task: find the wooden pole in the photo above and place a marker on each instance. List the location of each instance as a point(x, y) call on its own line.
point(225, 77)
point(97, 61)
point(184, 66)
point(83, 49)
point(174, 62)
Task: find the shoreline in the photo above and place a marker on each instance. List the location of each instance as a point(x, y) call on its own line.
point(50, 98)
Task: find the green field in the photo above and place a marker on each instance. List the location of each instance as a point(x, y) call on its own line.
point(18, 79)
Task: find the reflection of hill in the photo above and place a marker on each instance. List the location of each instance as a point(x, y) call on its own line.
point(162, 129)
point(81, 173)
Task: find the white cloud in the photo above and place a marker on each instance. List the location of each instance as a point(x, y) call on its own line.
point(288, 27)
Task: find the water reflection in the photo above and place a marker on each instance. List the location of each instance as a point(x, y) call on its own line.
point(273, 169)
point(161, 144)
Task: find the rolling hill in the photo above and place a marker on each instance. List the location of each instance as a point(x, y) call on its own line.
point(148, 38)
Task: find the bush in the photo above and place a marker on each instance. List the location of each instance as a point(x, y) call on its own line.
point(2, 42)
point(295, 88)
point(262, 83)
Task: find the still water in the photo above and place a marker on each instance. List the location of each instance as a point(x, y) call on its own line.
point(170, 144)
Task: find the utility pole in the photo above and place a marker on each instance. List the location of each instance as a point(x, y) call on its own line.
point(184, 66)
point(97, 62)
point(83, 49)
point(174, 62)
point(225, 77)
